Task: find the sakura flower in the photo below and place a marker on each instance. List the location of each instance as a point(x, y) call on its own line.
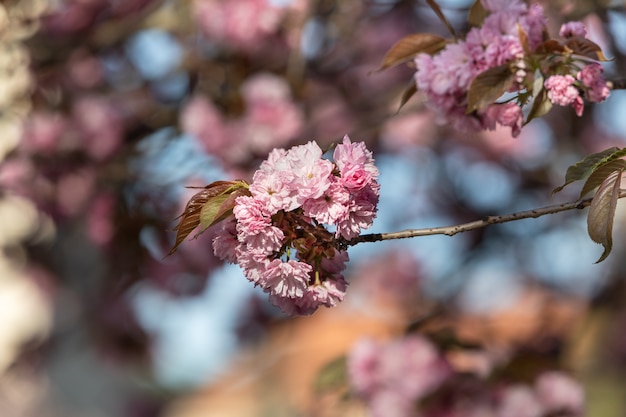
point(573, 29)
point(561, 89)
point(591, 77)
point(274, 190)
point(312, 174)
point(279, 235)
point(327, 293)
point(360, 215)
point(329, 207)
point(287, 279)
point(348, 153)
point(225, 242)
point(509, 115)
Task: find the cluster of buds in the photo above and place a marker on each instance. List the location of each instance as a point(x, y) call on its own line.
point(287, 225)
point(506, 63)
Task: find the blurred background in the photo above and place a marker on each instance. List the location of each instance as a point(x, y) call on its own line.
point(111, 109)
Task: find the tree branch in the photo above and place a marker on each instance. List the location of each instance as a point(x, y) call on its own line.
point(617, 84)
point(477, 224)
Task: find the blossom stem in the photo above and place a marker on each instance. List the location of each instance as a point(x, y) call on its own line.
point(477, 224)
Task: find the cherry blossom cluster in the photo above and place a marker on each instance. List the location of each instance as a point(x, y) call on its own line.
point(410, 377)
point(512, 34)
point(280, 234)
point(391, 377)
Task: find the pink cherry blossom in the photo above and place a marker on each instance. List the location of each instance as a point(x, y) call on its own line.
point(509, 115)
point(561, 89)
point(225, 242)
point(287, 279)
point(348, 153)
point(360, 214)
point(331, 206)
point(591, 77)
point(572, 29)
point(312, 174)
point(274, 190)
point(279, 235)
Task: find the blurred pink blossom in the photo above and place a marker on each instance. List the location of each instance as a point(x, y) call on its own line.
point(205, 123)
point(74, 190)
point(572, 29)
point(42, 132)
point(241, 24)
point(100, 228)
point(271, 118)
point(100, 125)
point(519, 401)
point(84, 69)
point(397, 373)
point(558, 393)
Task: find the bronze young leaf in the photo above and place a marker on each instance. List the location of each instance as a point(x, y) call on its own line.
point(191, 217)
point(409, 46)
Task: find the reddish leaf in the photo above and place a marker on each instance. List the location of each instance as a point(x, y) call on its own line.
point(488, 86)
point(602, 212)
point(586, 47)
point(408, 47)
point(190, 219)
point(551, 46)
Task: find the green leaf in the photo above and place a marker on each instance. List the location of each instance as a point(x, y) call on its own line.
point(433, 5)
point(332, 376)
point(408, 47)
point(600, 174)
point(602, 213)
point(488, 86)
point(585, 167)
point(477, 14)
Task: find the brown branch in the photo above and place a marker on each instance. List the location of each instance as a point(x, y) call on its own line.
point(477, 224)
point(617, 84)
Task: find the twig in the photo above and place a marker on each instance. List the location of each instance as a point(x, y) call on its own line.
point(617, 84)
point(477, 224)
